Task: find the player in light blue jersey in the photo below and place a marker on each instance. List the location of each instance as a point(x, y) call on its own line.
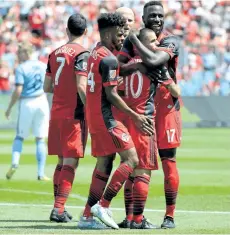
point(33, 108)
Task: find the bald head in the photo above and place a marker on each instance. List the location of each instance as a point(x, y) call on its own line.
point(129, 16)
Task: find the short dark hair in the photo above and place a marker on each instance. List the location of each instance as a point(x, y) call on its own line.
point(77, 24)
point(108, 20)
point(153, 3)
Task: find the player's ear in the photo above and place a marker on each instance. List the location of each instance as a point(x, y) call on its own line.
point(86, 31)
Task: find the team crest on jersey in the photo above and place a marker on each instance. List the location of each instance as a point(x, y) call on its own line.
point(125, 137)
point(171, 46)
point(112, 74)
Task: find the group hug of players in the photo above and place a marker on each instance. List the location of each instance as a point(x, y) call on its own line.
point(124, 92)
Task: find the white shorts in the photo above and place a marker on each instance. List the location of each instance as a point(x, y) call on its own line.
point(33, 114)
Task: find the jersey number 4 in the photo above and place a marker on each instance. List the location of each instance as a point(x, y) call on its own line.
point(60, 60)
point(91, 82)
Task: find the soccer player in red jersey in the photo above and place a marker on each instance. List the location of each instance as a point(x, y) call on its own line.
point(166, 54)
point(103, 71)
point(66, 77)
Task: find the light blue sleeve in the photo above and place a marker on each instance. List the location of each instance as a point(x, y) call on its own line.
point(19, 78)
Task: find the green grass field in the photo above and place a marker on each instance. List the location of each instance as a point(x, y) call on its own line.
point(203, 203)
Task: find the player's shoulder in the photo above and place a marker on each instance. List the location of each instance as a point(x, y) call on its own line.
point(103, 54)
point(168, 37)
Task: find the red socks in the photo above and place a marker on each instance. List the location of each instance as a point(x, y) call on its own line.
point(66, 179)
point(97, 187)
point(128, 196)
point(140, 194)
point(56, 179)
point(171, 185)
point(119, 177)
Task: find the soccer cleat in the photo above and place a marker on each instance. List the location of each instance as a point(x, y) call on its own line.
point(90, 223)
point(168, 222)
point(43, 178)
point(59, 218)
point(145, 224)
point(124, 224)
point(68, 214)
point(10, 172)
point(104, 215)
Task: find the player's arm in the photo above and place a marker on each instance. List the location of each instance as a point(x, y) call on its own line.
point(124, 57)
point(81, 74)
point(17, 91)
point(174, 89)
point(108, 69)
point(48, 83)
point(167, 49)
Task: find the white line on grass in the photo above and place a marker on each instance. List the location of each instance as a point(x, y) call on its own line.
point(116, 209)
point(72, 195)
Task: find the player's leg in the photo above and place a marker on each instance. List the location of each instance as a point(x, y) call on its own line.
point(99, 181)
point(40, 130)
point(128, 199)
point(73, 138)
point(171, 184)
point(22, 131)
point(129, 161)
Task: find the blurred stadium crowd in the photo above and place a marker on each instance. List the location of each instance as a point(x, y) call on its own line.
point(203, 26)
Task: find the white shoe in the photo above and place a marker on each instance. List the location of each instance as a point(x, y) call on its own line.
point(90, 223)
point(104, 215)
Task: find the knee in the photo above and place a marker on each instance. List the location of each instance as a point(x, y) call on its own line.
point(133, 161)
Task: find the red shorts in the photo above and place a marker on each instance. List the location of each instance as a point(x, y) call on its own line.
point(111, 141)
point(120, 116)
point(168, 130)
point(146, 147)
point(67, 138)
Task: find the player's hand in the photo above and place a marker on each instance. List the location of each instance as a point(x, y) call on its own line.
point(132, 35)
point(159, 74)
point(120, 81)
point(7, 113)
point(145, 124)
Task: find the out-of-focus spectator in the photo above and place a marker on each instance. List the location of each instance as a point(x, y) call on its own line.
point(4, 78)
point(203, 27)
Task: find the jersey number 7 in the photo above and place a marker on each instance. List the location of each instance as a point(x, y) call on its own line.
point(60, 60)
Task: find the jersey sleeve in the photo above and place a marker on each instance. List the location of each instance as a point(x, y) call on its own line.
point(48, 68)
point(170, 45)
point(109, 70)
point(80, 66)
point(127, 49)
point(19, 77)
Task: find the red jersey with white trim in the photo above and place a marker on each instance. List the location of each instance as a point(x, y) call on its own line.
point(164, 102)
point(103, 70)
point(139, 92)
point(168, 43)
point(63, 65)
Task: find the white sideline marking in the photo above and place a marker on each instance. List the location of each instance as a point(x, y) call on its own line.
point(41, 193)
point(116, 209)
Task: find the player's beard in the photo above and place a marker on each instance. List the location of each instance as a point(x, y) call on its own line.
point(116, 45)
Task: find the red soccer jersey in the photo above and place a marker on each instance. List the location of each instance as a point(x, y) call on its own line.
point(103, 70)
point(64, 64)
point(165, 103)
point(140, 92)
point(168, 43)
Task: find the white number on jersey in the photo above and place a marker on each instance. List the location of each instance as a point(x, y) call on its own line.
point(60, 60)
point(129, 84)
point(170, 135)
point(91, 82)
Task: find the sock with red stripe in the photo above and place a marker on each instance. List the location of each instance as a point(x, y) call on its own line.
point(97, 187)
point(119, 177)
point(66, 179)
point(140, 194)
point(128, 196)
point(171, 185)
point(56, 175)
